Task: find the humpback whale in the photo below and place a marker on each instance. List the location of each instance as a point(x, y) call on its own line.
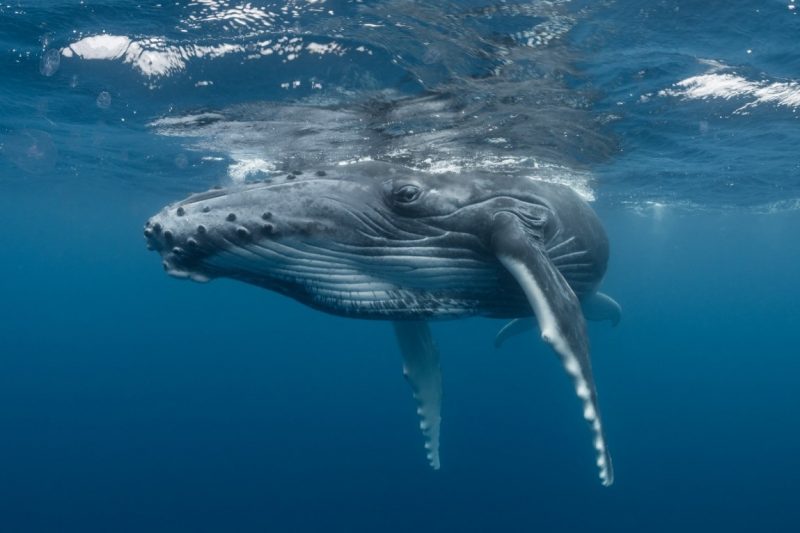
point(381, 241)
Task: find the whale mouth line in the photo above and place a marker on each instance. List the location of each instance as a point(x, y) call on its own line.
point(177, 272)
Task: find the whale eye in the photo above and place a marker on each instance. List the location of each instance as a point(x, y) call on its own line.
point(406, 194)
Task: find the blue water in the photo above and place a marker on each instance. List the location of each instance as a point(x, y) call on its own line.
point(130, 401)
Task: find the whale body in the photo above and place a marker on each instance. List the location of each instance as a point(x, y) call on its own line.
point(381, 241)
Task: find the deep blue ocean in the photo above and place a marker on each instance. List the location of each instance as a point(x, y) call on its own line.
point(131, 401)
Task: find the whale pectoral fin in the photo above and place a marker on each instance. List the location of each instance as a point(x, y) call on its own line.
point(421, 369)
point(518, 326)
point(599, 306)
point(558, 313)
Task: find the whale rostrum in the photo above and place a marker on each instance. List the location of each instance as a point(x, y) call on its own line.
point(381, 241)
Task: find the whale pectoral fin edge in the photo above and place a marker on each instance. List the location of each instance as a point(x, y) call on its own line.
point(514, 327)
point(558, 313)
point(599, 306)
point(422, 371)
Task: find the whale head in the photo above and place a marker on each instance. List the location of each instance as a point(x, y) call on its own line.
point(368, 239)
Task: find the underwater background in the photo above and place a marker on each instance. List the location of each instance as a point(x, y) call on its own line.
point(130, 401)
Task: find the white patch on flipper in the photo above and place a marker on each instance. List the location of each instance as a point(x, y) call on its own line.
point(570, 363)
point(583, 390)
point(552, 334)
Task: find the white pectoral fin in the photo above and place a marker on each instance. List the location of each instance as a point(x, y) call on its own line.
point(421, 369)
point(561, 322)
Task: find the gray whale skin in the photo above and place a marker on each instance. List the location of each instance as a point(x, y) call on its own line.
point(381, 241)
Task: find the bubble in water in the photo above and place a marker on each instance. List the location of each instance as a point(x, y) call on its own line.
point(50, 62)
point(30, 150)
point(181, 161)
point(104, 100)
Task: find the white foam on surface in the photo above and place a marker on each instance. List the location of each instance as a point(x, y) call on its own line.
point(167, 125)
point(99, 47)
point(239, 171)
point(730, 86)
point(578, 181)
point(243, 15)
point(324, 48)
point(155, 57)
point(152, 56)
